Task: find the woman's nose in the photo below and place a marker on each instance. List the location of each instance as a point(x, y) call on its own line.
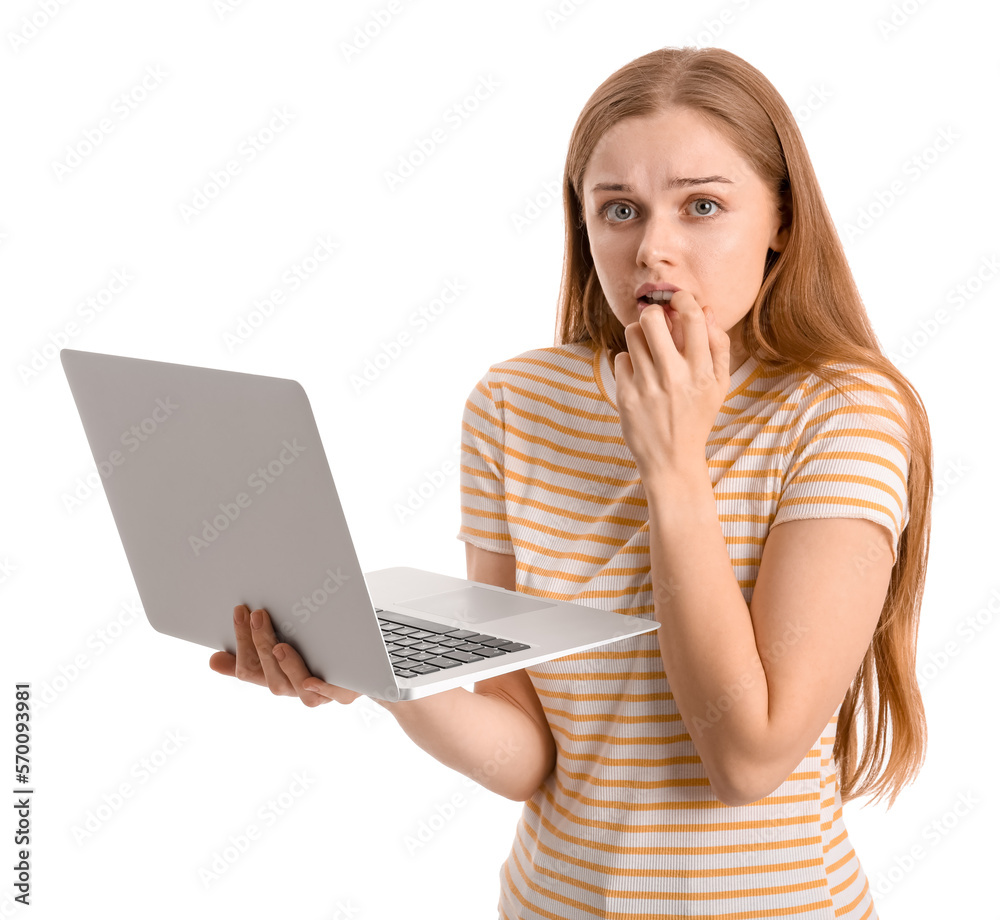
point(661, 240)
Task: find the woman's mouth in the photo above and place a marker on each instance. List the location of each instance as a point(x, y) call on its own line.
point(660, 297)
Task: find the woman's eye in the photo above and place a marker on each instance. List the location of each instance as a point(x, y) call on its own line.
point(617, 211)
point(702, 206)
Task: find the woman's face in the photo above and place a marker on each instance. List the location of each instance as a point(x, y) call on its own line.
point(669, 202)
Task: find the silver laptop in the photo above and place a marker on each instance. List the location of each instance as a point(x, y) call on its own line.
point(222, 495)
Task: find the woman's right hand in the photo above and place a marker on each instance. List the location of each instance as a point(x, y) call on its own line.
point(261, 659)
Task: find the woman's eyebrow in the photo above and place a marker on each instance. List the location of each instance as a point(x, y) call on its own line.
point(676, 182)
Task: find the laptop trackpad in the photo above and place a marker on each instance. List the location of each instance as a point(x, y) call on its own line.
point(474, 604)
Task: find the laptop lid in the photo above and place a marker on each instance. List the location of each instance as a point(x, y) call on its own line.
point(222, 494)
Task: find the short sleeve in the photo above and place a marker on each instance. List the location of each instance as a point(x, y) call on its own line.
point(481, 473)
point(847, 455)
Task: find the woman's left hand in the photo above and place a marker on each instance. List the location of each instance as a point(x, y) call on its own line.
point(670, 385)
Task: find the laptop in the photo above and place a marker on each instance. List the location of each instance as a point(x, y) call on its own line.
point(222, 495)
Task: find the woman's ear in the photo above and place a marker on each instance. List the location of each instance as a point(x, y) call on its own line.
point(779, 239)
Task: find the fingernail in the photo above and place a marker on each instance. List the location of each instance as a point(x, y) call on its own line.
point(240, 615)
point(279, 653)
point(256, 618)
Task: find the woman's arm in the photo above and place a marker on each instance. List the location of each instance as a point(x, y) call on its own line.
point(755, 686)
point(497, 734)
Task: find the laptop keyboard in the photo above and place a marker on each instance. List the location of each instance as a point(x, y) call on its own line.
point(417, 647)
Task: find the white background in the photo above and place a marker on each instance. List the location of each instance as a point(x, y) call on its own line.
point(868, 98)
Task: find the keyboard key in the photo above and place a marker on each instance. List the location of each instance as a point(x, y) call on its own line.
point(420, 656)
point(406, 620)
point(463, 656)
point(424, 668)
point(408, 636)
point(404, 672)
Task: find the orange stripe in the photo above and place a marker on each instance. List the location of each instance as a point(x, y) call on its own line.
point(657, 873)
point(676, 896)
point(619, 849)
point(669, 805)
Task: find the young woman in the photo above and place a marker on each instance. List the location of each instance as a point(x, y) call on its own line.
point(715, 376)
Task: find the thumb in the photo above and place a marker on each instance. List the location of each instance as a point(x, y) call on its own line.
point(718, 341)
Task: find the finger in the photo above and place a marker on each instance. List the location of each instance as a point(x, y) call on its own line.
point(248, 666)
point(690, 316)
point(623, 367)
point(223, 663)
point(639, 350)
point(659, 333)
point(294, 668)
point(264, 642)
point(718, 340)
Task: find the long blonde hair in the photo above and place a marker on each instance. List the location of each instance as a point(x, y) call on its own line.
point(807, 314)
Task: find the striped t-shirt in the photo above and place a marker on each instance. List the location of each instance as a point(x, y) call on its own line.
point(626, 825)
